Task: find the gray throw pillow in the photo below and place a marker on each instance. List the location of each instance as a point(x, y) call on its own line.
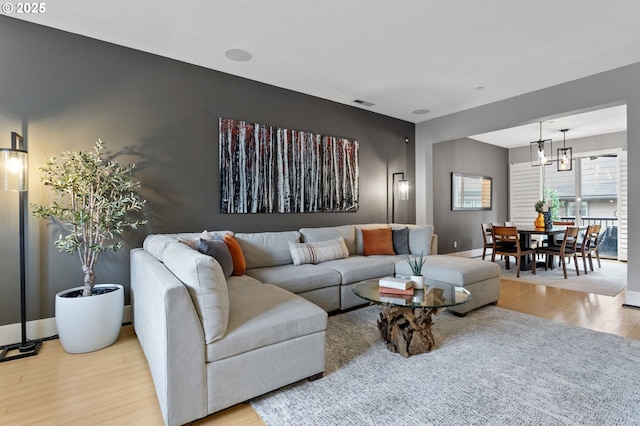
point(218, 249)
point(400, 240)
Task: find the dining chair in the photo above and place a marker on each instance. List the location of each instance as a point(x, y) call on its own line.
point(507, 243)
point(567, 248)
point(591, 246)
point(486, 237)
point(582, 247)
point(553, 240)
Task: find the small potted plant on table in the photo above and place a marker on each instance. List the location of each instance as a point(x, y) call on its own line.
point(416, 263)
point(95, 199)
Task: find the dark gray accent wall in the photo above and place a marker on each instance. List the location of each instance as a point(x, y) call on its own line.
point(63, 91)
point(476, 158)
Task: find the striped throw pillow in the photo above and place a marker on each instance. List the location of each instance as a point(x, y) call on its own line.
point(317, 252)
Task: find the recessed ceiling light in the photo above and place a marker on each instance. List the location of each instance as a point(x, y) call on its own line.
point(421, 111)
point(238, 55)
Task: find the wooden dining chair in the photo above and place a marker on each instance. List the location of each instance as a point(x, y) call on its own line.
point(582, 247)
point(486, 237)
point(567, 248)
point(553, 240)
point(589, 246)
point(507, 243)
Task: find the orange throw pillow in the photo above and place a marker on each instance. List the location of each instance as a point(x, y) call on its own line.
point(377, 241)
point(239, 264)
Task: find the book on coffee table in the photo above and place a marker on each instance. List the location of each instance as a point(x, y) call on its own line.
point(395, 291)
point(397, 300)
point(396, 283)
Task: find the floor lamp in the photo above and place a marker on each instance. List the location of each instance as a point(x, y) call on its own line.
point(403, 192)
point(13, 177)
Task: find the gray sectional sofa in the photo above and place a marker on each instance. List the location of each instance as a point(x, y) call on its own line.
point(213, 341)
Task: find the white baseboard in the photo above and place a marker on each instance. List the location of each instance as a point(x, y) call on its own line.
point(632, 298)
point(41, 329)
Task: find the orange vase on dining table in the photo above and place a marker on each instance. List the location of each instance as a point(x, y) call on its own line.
point(539, 222)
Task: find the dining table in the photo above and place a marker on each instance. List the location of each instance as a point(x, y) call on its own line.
point(526, 232)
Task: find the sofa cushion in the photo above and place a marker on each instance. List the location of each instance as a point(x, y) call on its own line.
point(155, 244)
point(358, 268)
point(241, 281)
point(217, 249)
point(297, 279)
point(205, 281)
point(264, 315)
point(194, 242)
point(377, 241)
point(267, 248)
point(455, 270)
point(239, 263)
point(400, 238)
point(348, 232)
point(318, 252)
point(420, 239)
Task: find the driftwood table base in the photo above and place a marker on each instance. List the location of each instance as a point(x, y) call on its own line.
point(407, 330)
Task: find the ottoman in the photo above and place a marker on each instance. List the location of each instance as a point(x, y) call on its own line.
point(479, 277)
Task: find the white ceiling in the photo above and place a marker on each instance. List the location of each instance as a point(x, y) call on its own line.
point(593, 123)
point(400, 55)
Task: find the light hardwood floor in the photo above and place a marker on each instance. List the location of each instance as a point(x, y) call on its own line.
point(113, 386)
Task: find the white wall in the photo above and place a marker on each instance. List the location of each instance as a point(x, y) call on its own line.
point(610, 88)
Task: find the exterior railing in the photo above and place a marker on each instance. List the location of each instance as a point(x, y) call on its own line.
point(608, 240)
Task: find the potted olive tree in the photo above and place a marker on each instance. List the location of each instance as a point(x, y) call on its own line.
point(95, 200)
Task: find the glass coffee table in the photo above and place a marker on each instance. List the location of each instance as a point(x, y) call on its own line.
point(405, 320)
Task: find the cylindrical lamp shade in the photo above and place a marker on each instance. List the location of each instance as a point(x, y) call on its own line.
point(13, 169)
point(403, 189)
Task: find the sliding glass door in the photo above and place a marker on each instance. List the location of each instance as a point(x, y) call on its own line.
point(588, 195)
point(592, 193)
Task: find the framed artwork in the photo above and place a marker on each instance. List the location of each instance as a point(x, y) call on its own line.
point(266, 169)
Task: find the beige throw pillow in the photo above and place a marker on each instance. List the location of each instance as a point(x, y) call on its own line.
point(318, 252)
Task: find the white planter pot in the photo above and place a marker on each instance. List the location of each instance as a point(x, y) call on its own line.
point(87, 324)
point(418, 281)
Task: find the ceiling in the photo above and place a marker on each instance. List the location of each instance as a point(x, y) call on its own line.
point(593, 123)
point(438, 55)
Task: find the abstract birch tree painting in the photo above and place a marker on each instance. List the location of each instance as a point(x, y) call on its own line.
point(264, 169)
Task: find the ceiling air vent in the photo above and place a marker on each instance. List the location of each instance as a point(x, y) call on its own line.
point(365, 103)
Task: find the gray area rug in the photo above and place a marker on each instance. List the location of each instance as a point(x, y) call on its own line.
point(492, 367)
point(608, 280)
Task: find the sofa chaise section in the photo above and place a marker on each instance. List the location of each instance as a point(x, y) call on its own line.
point(271, 337)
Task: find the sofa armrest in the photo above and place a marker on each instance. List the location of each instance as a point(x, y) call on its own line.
point(171, 337)
point(434, 244)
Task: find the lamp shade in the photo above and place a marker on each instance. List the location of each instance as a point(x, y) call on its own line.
point(565, 155)
point(403, 189)
point(565, 159)
point(13, 169)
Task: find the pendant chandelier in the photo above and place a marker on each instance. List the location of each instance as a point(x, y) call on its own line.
point(565, 155)
point(541, 151)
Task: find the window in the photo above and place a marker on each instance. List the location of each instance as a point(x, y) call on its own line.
point(571, 208)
